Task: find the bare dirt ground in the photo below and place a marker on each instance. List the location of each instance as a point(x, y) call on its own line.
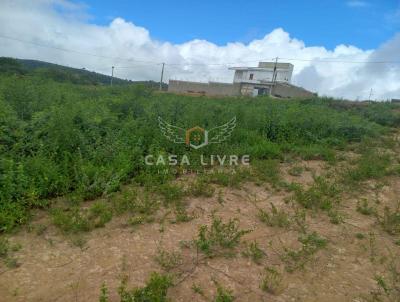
point(53, 269)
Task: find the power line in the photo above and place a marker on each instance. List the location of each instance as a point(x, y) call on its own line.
point(341, 61)
point(144, 62)
point(73, 51)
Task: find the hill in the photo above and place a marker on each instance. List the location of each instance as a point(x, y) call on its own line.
point(61, 73)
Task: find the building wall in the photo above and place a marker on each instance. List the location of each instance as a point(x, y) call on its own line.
point(211, 88)
point(282, 75)
point(228, 89)
point(284, 70)
point(285, 90)
point(258, 75)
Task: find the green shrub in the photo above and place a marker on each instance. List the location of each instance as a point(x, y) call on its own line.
point(168, 260)
point(321, 195)
point(75, 219)
point(223, 294)
point(364, 208)
point(253, 252)
point(58, 137)
point(103, 293)
point(156, 290)
point(99, 214)
point(171, 193)
point(274, 218)
point(219, 236)
point(201, 188)
point(310, 244)
point(267, 170)
point(271, 281)
point(390, 221)
point(370, 165)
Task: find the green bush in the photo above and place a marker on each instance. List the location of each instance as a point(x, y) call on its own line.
point(75, 219)
point(323, 194)
point(59, 134)
point(371, 164)
point(155, 290)
point(219, 237)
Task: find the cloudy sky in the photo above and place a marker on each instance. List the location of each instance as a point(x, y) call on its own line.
point(339, 48)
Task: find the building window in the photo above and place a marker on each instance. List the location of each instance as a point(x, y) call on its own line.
point(251, 76)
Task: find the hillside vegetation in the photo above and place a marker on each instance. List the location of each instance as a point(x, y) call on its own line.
point(315, 216)
point(60, 138)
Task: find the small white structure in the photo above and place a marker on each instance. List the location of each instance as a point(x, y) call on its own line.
point(269, 78)
point(265, 72)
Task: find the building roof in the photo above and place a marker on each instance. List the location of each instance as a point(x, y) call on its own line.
point(265, 66)
point(249, 68)
point(272, 65)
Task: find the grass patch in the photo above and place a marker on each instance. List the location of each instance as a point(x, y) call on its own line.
point(171, 193)
point(267, 170)
point(272, 281)
point(75, 220)
point(223, 294)
point(390, 221)
point(156, 290)
point(370, 165)
point(335, 216)
point(310, 244)
point(220, 237)
point(168, 260)
point(201, 188)
point(323, 195)
point(364, 208)
point(6, 251)
point(254, 252)
point(296, 170)
point(275, 217)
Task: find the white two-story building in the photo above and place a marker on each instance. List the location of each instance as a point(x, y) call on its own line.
point(269, 78)
point(259, 80)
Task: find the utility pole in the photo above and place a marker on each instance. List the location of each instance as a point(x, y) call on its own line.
point(370, 94)
point(162, 75)
point(275, 67)
point(112, 75)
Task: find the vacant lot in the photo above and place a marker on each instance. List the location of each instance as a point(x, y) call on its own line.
point(314, 217)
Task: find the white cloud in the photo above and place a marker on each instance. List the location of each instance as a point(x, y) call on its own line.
point(68, 27)
point(357, 3)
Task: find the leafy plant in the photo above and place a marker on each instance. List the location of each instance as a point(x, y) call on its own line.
point(335, 216)
point(60, 138)
point(321, 195)
point(168, 260)
point(223, 294)
point(103, 293)
point(74, 220)
point(156, 290)
point(296, 170)
point(254, 252)
point(371, 164)
point(271, 281)
point(310, 244)
point(274, 218)
point(6, 250)
point(364, 208)
point(390, 221)
point(219, 236)
point(201, 188)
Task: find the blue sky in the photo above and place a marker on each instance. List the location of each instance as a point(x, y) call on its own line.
point(365, 24)
point(339, 48)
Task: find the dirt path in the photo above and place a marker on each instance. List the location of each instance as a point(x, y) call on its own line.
point(53, 269)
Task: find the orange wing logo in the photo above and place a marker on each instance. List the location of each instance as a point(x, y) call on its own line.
point(197, 137)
